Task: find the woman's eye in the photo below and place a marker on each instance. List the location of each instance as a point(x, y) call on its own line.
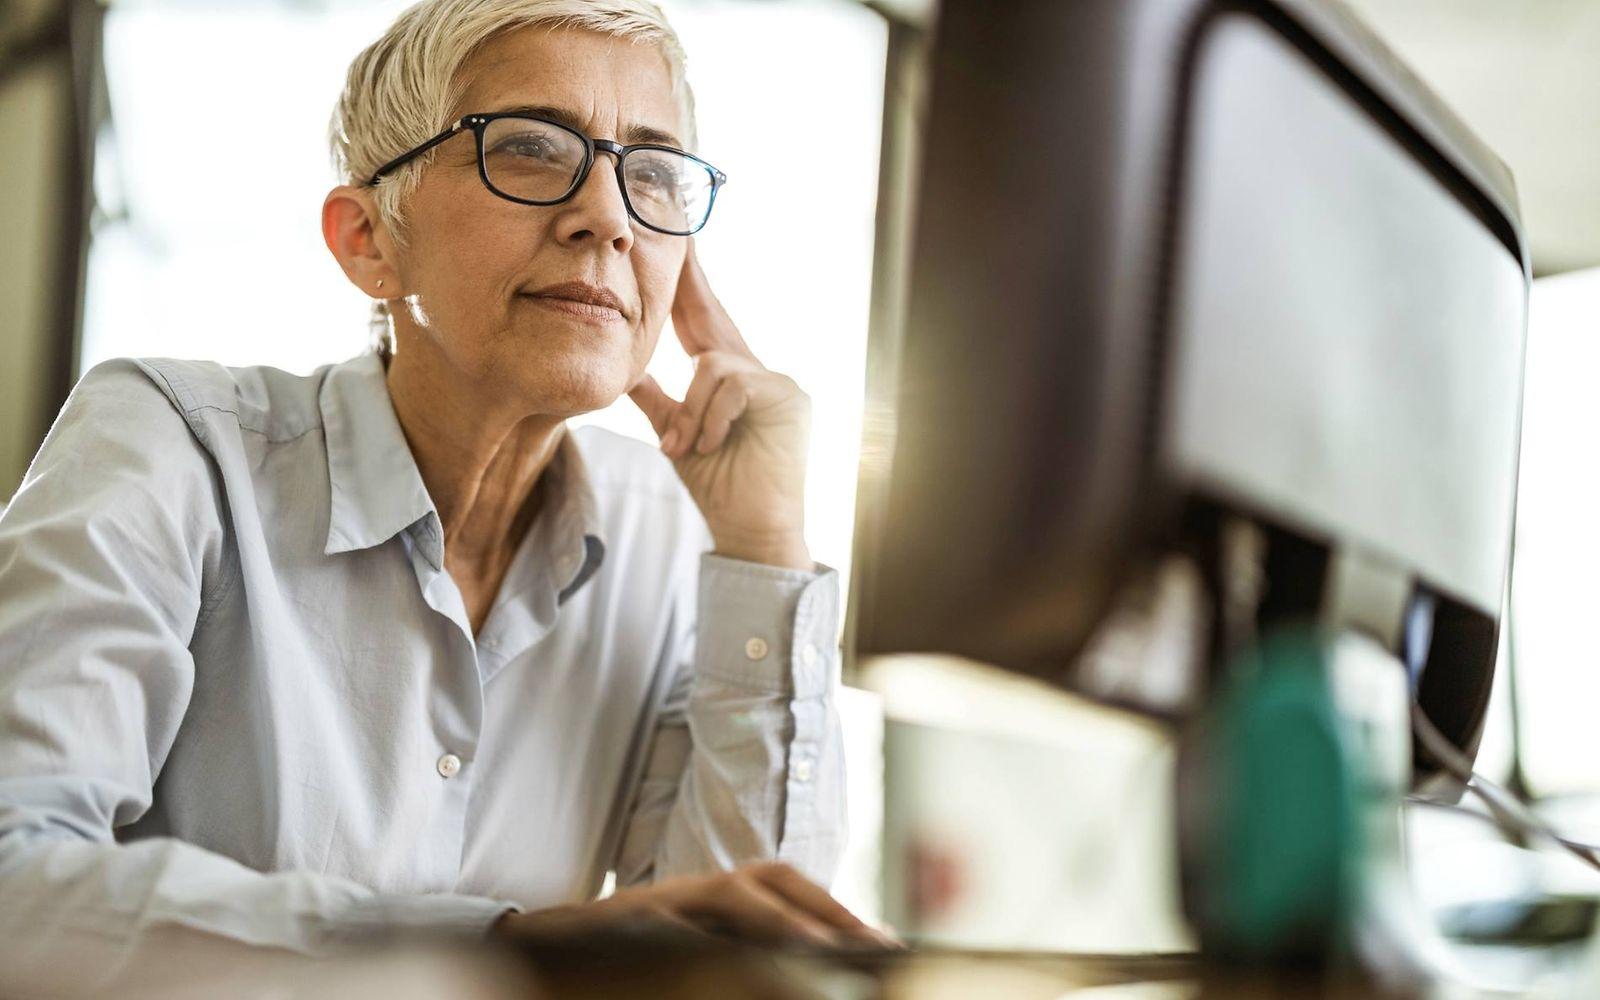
point(658, 179)
point(530, 146)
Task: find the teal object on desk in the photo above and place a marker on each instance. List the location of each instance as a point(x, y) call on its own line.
point(1272, 845)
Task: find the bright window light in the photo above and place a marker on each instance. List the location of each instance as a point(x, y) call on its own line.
point(1554, 586)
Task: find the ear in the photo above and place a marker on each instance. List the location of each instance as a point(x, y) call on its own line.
point(356, 237)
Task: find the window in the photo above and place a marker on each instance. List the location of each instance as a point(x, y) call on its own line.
point(1555, 584)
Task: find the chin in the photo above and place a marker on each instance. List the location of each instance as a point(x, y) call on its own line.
point(577, 383)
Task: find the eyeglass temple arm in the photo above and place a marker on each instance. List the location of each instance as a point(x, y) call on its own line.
point(405, 158)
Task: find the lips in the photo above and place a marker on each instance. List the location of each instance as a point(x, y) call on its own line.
point(580, 298)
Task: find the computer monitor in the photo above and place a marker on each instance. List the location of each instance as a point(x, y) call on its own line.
point(1179, 261)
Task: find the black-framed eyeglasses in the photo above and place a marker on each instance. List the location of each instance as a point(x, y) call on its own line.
point(536, 161)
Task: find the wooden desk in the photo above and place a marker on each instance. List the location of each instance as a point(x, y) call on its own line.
point(663, 970)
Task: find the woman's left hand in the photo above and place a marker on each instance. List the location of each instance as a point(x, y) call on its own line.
point(739, 437)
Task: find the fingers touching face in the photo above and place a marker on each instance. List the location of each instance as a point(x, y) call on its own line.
point(725, 386)
point(699, 319)
point(717, 396)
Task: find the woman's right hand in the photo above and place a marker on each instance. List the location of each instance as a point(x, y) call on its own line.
point(767, 902)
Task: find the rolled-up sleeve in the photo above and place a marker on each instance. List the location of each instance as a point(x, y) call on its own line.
point(112, 551)
point(747, 761)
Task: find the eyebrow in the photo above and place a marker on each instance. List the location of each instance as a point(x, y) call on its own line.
point(631, 135)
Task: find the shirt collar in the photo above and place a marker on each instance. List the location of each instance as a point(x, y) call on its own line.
point(376, 490)
point(574, 516)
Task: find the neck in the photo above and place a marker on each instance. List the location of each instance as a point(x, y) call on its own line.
point(480, 465)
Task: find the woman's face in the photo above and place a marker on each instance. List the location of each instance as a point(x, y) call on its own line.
point(474, 260)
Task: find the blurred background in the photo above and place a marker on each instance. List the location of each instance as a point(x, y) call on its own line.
point(164, 163)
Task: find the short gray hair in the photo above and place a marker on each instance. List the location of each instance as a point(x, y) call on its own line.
point(402, 88)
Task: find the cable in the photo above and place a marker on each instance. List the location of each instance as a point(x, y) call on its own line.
point(1489, 818)
point(1505, 810)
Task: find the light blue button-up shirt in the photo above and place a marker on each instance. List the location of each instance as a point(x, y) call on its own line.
point(241, 697)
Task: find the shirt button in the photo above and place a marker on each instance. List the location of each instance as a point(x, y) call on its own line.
point(808, 655)
point(755, 647)
point(802, 769)
point(449, 766)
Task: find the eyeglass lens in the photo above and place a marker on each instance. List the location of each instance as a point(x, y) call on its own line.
point(539, 161)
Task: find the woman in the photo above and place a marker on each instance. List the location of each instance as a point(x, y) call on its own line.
point(285, 659)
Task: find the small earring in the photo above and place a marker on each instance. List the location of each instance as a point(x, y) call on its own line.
point(380, 282)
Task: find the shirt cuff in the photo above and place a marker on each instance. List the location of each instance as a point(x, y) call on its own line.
point(443, 914)
point(770, 628)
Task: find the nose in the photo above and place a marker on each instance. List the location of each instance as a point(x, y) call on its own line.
point(596, 213)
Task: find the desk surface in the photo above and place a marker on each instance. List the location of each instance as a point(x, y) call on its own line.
point(492, 973)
